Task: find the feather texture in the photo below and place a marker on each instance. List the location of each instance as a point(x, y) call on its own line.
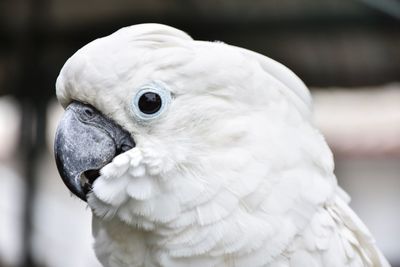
point(232, 174)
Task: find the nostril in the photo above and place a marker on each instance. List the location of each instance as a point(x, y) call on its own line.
point(88, 112)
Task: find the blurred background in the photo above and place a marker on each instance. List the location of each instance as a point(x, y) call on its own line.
point(346, 51)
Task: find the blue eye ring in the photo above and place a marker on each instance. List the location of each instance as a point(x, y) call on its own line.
point(153, 90)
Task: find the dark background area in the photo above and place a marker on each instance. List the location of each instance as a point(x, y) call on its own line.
point(344, 43)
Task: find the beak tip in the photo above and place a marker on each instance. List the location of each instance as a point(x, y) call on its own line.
point(70, 179)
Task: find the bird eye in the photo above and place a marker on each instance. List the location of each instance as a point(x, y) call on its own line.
point(150, 103)
point(151, 100)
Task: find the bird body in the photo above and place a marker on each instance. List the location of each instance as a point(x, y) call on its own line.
point(222, 164)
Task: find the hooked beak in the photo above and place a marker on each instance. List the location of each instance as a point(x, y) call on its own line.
point(85, 142)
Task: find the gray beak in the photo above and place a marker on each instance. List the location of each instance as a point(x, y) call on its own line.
point(85, 142)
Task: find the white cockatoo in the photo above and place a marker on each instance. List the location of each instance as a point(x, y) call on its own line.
point(194, 153)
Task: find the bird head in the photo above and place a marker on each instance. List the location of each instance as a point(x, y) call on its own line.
point(158, 125)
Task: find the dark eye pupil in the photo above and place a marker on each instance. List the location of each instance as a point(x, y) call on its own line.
point(149, 103)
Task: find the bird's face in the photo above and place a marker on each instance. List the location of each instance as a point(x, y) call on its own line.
point(157, 126)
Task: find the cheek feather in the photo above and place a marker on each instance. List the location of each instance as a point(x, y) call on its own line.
point(131, 187)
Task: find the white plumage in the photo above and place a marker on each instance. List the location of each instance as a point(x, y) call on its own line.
point(233, 173)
